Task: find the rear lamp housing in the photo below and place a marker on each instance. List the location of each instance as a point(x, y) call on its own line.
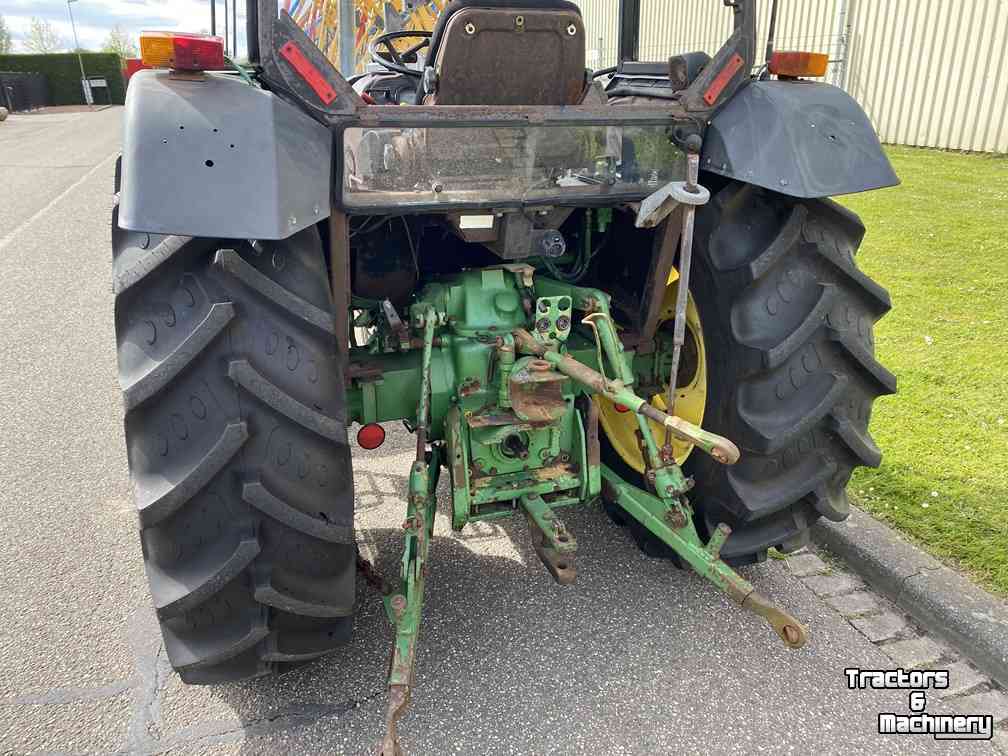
point(795, 64)
point(181, 51)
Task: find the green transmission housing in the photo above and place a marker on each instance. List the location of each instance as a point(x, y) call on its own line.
point(512, 426)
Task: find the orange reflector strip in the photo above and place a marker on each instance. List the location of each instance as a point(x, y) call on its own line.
point(185, 52)
point(723, 78)
point(307, 71)
point(795, 64)
point(371, 436)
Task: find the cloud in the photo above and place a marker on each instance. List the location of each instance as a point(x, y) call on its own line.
point(94, 19)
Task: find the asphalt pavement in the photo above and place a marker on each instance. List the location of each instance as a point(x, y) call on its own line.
point(636, 658)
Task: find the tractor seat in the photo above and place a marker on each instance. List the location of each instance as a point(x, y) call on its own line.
point(506, 52)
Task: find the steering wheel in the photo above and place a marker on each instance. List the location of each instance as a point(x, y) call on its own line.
point(397, 62)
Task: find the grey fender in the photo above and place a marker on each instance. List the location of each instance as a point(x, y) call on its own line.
point(800, 138)
point(219, 158)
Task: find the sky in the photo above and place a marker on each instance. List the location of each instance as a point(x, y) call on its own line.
point(95, 18)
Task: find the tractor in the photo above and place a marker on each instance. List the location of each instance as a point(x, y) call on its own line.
point(626, 288)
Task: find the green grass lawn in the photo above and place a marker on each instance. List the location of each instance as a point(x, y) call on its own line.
point(939, 243)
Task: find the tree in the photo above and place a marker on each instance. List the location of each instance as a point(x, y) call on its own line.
point(42, 38)
point(121, 43)
point(5, 37)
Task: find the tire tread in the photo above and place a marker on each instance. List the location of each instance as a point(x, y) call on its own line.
point(164, 372)
point(163, 504)
point(793, 319)
point(244, 581)
point(254, 382)
point(202, 580)
point(231, 262)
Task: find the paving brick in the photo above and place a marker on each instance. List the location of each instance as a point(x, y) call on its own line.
point(992, 702)
point(853, 604)
point(962, 677)
point(832, 585)
point(913, 653)
point(881, 627)
point(803, 565)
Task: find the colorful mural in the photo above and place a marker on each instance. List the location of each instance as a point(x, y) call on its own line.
point(374, 17)
point(321, 21)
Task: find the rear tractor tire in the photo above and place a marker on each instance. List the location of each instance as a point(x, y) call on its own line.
point(787, 320)
point(237, 446)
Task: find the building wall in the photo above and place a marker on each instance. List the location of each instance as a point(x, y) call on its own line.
point(928, 72)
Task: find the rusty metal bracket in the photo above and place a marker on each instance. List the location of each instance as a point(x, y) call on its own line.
point(339, 271)
point(535, 391)
point(791, 631)
point(657, 206)
point(399, 696)
point(552, 542)
point(395, 324)
point(666, 244)
point(674, 205)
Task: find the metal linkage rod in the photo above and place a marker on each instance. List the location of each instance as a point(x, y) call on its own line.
point(404, 606)
point(720, 448)
point(682, 294)
point(423, 408)
point(653, 513)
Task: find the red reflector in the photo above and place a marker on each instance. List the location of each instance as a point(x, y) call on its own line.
point(199, 53)
point(621, 408)
point(307, 71)
point(371, 436)
point(723, 78)
point(796, 64)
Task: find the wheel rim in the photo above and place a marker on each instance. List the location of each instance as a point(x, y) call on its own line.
point(691, 400)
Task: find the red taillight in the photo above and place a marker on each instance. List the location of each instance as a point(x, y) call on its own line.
point(185, 52)
point(371, 436)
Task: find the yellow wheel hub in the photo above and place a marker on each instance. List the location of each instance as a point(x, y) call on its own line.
point(621, 427)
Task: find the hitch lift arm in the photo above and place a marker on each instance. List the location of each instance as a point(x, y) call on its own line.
point(667, 514)
point(665, 511)
point(404, 606)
